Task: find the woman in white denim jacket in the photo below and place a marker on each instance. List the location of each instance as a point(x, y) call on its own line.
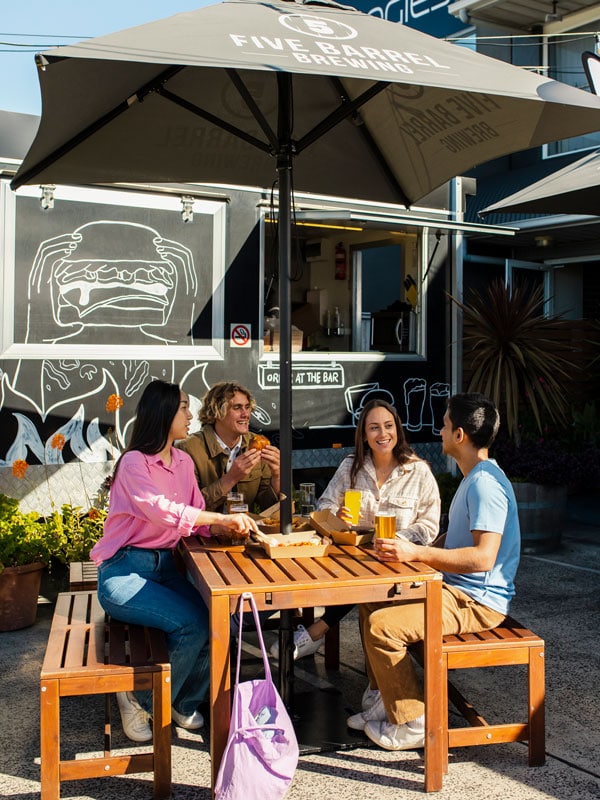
point(388, 473)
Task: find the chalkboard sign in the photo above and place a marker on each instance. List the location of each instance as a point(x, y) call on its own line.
point(114, 268)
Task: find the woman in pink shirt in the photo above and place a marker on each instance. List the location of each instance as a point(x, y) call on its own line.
point(154, 501)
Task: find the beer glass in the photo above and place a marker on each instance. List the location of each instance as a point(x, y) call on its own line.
point(385, 522)
point(239, 508)
point(234, 499)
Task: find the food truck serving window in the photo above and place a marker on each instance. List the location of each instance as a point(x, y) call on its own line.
point(355, 290)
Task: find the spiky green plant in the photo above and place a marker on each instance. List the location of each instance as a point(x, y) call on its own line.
point(516, 354)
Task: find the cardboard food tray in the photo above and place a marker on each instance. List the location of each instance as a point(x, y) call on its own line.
point(269, 520)
point(279, 545)
point(327, 524)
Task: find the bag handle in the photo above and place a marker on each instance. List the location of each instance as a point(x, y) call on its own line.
point(250, 598)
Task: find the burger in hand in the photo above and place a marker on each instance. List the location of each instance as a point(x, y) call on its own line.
point(258, 442)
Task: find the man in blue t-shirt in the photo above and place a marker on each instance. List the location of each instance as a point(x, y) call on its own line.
point(479, 561)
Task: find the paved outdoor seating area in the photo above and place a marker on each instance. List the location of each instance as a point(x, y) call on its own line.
point(558, 598)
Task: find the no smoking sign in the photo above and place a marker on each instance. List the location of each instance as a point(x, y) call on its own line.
point(240, 335)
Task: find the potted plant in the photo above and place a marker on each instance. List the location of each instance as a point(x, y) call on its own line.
point(518, 358)
point(24, 552)
point(29, 543)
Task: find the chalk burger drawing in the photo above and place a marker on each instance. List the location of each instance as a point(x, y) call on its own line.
point(103, 275)
point(108, 274)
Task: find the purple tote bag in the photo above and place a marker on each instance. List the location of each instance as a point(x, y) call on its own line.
point(261, 754)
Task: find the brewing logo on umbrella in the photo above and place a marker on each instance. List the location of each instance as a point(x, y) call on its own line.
point(320, 27)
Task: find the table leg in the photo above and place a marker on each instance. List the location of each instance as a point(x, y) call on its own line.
point(286, 658)
point(220, 684)
point(435, 726)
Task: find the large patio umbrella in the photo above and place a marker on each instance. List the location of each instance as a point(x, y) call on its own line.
point(574, 189)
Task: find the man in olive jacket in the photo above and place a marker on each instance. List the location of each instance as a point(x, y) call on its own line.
point(222, 454)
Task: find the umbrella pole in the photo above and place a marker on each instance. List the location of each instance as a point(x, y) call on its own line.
point(284, 172)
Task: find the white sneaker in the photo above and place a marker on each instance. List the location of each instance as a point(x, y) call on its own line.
point(395, 737)
point(190, 723)
point(370, 696)
point(375, 713)
point(303, 644)
point(135, 721)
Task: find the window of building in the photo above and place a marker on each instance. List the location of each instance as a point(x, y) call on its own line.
point(385, 299)
point(564, 64)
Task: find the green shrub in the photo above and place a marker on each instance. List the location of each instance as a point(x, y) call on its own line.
point(72, 532)
point(23, 537)
point(65, 536)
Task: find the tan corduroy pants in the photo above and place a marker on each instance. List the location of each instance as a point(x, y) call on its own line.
point(388, 628)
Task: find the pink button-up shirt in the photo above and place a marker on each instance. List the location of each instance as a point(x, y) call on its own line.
point(151, 505)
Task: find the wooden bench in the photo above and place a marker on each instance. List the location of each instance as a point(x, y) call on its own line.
point(87, 654)
point(507, 645)
point(82, 575)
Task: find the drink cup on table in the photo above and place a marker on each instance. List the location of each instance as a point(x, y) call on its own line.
point(385, 524)
point(234, 499)
point(307, 499)
point(352, 500)
point(239, 508)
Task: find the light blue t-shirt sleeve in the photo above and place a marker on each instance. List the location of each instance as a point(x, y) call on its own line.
point(487, 504)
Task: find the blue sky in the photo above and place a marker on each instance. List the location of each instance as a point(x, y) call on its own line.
point(28, 26)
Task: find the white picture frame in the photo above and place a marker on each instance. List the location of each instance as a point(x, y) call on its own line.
point(175, 258)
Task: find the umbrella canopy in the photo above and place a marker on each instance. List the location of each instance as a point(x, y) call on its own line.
point(242, 91)
point(378, 110)
point(574, 189)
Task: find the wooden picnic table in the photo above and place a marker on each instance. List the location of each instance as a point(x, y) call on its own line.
point(347, 574)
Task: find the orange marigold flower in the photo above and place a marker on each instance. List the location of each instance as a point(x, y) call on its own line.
point(58, 441)
point(93, 513)
point(19, 468)
point(114, 402)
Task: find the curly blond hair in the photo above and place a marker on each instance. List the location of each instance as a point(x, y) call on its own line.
point(215, 402)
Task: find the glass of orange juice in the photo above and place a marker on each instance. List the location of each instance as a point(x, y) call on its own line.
point(385, 525)
point(352, 500)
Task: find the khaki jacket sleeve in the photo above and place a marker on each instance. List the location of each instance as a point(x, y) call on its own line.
point(207, 472)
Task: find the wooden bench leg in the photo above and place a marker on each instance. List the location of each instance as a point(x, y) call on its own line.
point(161, 732)
point(445, 740)
point(49, 740)
point(536, 698)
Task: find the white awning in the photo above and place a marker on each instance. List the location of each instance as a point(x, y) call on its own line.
point(525, 16)
point(399, 221)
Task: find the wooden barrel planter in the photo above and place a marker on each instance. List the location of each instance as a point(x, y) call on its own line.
point(19, 591)
point(542, 515)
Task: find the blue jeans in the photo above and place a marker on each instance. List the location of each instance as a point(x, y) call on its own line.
point(146, 588)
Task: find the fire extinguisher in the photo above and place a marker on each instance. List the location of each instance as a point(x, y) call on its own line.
point(340, 262)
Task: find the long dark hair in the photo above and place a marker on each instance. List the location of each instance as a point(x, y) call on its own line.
point(402, 451)
point(155, 413)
